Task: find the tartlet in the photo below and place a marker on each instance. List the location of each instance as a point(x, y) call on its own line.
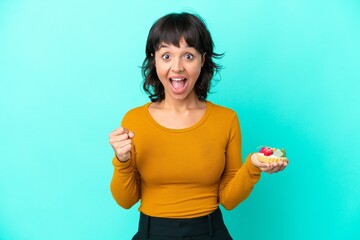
point(271, 155)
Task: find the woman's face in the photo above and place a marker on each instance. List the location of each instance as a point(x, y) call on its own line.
point(178, 69)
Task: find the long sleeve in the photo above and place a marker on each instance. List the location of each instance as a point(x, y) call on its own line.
point(125, 183)
point(238, 179)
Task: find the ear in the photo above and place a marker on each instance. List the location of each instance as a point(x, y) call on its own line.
point(203, 59)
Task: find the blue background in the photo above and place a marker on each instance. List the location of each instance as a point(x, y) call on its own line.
point(69, 70)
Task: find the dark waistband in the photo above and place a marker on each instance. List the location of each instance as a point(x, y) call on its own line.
point(181, 226)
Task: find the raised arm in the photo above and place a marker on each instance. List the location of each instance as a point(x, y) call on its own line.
point(125, 183)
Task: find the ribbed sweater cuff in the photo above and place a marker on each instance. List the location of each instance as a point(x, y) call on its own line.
point(121, 165)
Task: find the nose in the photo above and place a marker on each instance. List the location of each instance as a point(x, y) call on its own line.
point(178, 65)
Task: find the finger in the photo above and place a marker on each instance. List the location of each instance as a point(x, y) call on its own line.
point(270, 168)
point(274, 165)
point(280, 166)
point(118, 138)
point(131, 134)
point(276, 169)
point(124, 150)
point(124, 153)
point(121, 144)
point(119, 131)
point(284, 166)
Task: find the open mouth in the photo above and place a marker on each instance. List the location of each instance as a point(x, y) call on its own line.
point(178, 84)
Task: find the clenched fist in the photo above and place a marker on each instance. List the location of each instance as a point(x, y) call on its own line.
point(121, 140)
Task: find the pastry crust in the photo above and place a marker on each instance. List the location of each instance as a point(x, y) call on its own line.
point(270, 159)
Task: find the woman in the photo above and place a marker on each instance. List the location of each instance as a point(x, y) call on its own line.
point(180, 154)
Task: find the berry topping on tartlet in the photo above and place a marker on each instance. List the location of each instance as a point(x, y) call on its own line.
point(269, 154)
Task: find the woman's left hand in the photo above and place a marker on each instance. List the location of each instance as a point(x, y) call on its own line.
point(268, 167)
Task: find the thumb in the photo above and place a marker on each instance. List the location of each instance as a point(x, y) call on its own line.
point(131, 134)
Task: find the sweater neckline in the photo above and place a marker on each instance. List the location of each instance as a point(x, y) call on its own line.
point(196, 125)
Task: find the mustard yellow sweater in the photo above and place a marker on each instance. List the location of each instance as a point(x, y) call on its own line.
point(184, 173)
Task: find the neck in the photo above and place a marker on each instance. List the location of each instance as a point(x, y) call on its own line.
point(182, 105)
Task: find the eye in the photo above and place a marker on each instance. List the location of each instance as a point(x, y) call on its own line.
point(189, 56)
point(165, 56)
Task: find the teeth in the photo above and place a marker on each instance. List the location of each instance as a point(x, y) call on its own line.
point(177, 79)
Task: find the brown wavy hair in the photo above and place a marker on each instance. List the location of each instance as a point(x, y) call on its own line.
point(170, 29)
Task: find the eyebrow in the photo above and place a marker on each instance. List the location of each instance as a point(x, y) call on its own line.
point(164, 45)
